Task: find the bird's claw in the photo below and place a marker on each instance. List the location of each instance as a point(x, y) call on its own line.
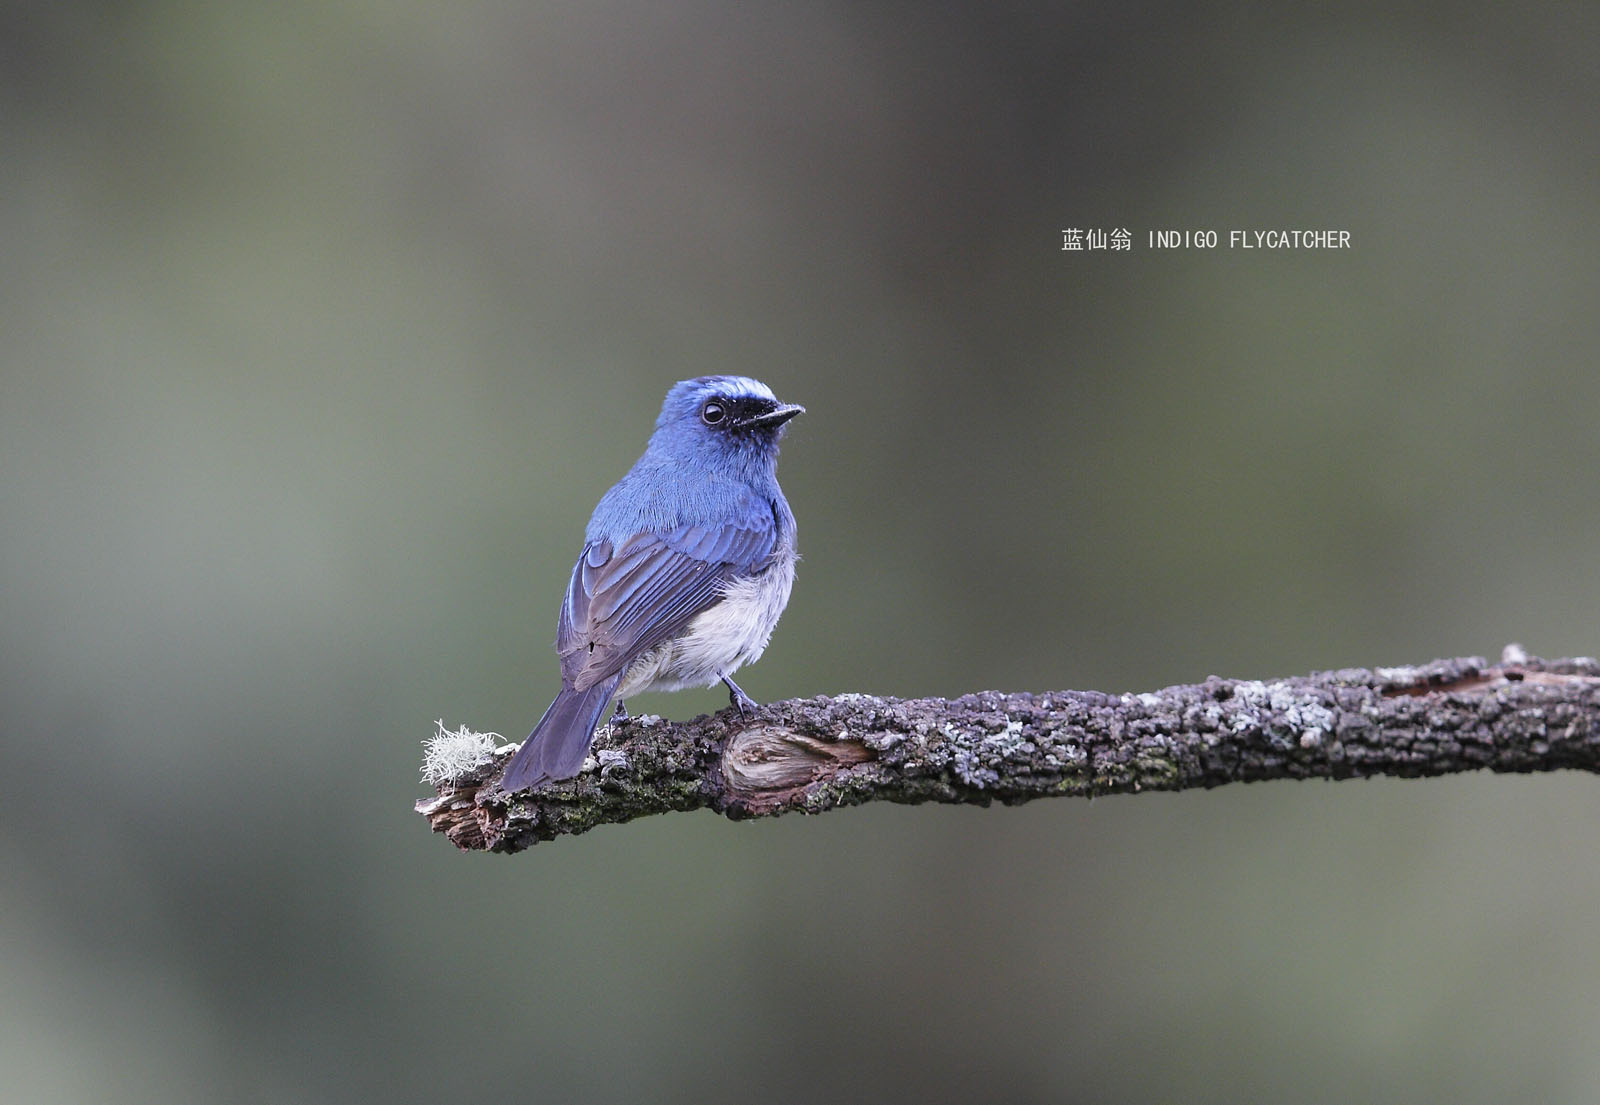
point(739, 700)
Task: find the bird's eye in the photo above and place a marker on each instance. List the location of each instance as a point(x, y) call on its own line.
point(713, 412)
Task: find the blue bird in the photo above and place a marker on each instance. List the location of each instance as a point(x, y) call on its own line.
point(686, 566)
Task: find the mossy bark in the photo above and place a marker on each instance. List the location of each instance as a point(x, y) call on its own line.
point(812, 755)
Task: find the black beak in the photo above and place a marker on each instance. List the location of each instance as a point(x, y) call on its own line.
point(777, 416)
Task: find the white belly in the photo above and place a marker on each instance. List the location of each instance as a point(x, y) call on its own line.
point(730, 634)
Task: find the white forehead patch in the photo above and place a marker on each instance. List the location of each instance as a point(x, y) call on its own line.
point(741, 387)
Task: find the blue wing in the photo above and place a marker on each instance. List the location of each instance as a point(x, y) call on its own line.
point(626, 599)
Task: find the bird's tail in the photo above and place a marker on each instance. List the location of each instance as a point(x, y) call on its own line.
point(556, 747)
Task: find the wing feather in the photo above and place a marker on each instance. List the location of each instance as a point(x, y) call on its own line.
point(624, 601)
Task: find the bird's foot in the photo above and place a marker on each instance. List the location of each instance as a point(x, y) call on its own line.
point(620, 713)
point(737, 698)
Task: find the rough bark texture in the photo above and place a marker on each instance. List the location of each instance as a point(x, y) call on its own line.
point(811, 755)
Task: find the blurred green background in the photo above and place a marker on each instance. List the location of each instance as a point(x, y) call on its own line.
point(325, 325)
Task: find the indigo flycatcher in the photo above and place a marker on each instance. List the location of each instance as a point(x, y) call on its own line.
point(686, 565)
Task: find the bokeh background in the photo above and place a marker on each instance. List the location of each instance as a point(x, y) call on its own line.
point(326, 324)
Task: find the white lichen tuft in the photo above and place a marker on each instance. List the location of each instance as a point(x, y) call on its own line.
point(451, 753)
point(1303, 712)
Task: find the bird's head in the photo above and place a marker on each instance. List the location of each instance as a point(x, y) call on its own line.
point(722, 418)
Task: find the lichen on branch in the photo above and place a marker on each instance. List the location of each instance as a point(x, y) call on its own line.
point(812, 755)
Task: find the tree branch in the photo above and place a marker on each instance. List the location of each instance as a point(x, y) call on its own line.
point(812, 755)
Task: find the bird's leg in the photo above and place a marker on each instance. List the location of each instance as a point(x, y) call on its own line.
point(737, 697)
point(620, 714)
